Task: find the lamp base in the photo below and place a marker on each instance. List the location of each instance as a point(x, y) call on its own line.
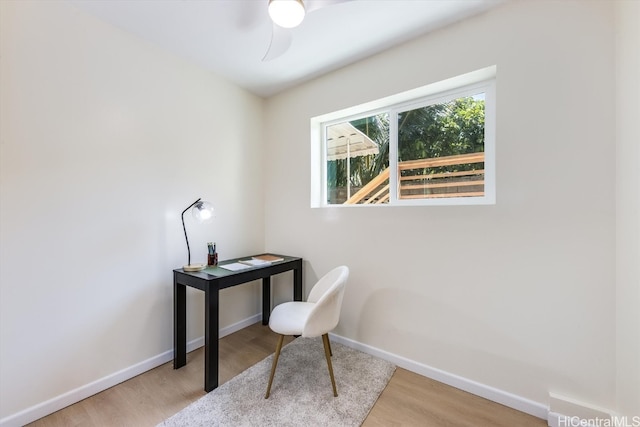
point(194, 267)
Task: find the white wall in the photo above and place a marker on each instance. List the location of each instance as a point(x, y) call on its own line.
point(519, 296)
point(104, 140)
point(628, 206)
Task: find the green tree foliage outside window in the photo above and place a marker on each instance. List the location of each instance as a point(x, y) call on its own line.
point(440, 130)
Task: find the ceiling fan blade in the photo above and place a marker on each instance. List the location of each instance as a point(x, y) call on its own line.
point(280, 41)
point(311, 5)
point(281, 38)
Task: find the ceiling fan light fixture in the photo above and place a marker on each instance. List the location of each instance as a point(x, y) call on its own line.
point(286, 13)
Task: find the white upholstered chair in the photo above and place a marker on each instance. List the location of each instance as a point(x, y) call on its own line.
point(314, 318)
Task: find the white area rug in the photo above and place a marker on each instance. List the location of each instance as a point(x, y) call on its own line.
point(301, 394)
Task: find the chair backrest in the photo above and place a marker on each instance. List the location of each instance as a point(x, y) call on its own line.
point(327, 296)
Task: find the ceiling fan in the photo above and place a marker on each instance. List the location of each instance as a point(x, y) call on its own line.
point(288, 14)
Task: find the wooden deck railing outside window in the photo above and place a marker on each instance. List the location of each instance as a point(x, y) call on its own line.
point(418, 182)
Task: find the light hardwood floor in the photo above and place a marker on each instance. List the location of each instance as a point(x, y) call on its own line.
point(408, 400)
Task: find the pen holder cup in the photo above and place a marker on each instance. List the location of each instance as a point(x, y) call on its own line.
point(212, 259)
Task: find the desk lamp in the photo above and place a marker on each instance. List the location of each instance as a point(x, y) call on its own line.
point(202, 212)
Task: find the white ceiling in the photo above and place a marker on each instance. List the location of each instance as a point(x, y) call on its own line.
point(230, 37)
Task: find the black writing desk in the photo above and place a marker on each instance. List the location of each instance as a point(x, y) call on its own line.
point(211, 280)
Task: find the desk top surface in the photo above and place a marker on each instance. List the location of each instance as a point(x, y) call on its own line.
point(218, 271)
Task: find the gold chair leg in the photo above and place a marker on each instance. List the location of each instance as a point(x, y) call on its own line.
point(327, 353)
point(273, 367)
point(329, 345)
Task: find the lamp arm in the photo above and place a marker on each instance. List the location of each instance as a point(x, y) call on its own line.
point(185, 231)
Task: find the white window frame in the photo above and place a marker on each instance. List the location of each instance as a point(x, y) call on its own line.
point(466, 85)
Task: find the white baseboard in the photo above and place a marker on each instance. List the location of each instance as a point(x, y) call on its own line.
point(73, 396)
point(511, 400)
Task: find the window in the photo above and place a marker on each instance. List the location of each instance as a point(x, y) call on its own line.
point(430, 146)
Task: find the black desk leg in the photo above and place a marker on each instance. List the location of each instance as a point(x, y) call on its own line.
point(266, 300)
point(211, 337)
point(179, 324)
point(297, 283)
